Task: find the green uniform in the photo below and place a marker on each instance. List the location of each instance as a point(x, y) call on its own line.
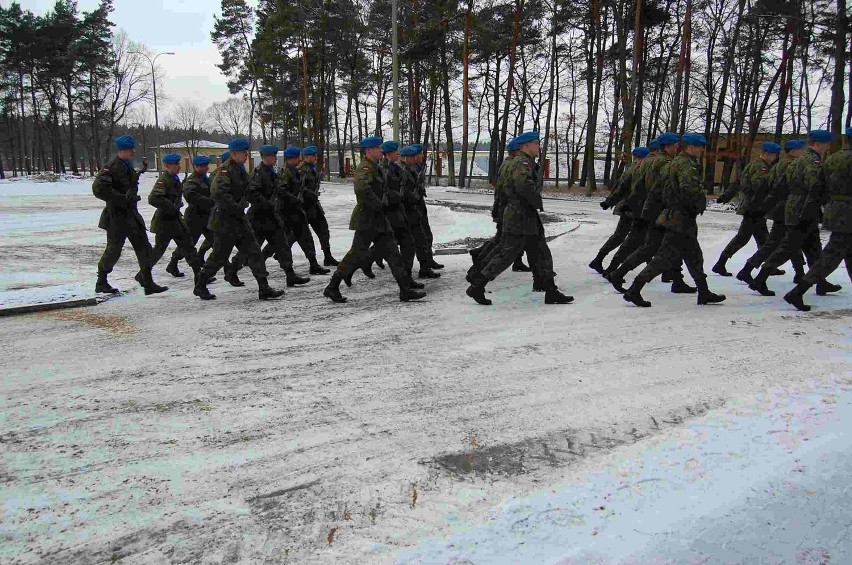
point(755, 188)
point(411, 201)
point(290, 205)
point(167, 223)
point(313, 209)
point(492, 246)
point(196, 192)
point(117, 184)
point(421, 204)
point(394, 206)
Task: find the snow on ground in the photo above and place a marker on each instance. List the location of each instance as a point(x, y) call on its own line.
point(166, 430)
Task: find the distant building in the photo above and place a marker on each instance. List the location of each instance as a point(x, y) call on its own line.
point(187, 151)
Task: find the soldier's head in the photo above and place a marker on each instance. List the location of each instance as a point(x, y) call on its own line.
point(238, 149)
point(512, 147)
point(125, 145)
point(372, 147)
point(171, 163)
point(793, 148)
point(819, 140)
point(668, 142)
point(769, 151)
point(309, 154)
point(292, 155)
point(201, 164)
point(639, 153)
point(529, 142)
point(268, 154)
point(654, 145)
point(390, 149)
point(694, 144)
point(408, 155)
point(849, 138)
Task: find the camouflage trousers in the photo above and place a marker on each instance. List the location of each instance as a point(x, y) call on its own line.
point(194, 236)
point(184, 244)
point(115, 244)
point(837, 250)
point(803, 237)
point(277, 244)
point(511, 246)
point(422, 246)
point(675, 247)
point(646, 252)
point(633, 241)
point(407, 251)
point(299, 232)
point(750, 227)
point(248, 251)
point(317, 221)
point(424, 222)
point(776, 236)
point(489, 249)
point(618, 236)
point(385, 247)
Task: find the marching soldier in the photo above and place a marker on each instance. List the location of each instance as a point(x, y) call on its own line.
point(313, 209)
point(806, 182)
point(117, 184)
point(167, 223)
point(754, 186)
point(196, 192)
point(683, 201)
point(411, 200)
point(421, 204)
point(230, 227)
point(371, 226)
point(837, 171)
point(521, 228)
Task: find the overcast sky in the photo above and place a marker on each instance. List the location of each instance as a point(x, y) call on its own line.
point(182, 26)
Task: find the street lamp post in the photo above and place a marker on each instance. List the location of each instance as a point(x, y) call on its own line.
point(395, 49)
point(154, 81)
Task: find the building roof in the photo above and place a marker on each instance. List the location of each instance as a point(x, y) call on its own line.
point(198, 144)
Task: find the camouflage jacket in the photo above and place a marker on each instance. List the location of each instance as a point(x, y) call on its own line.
point(392, 200)
point(310, 188)
point(683, 197)
point(411, 197)
point(261, 193)
point(776, 196)
point(754, 187)
point(117, 184)
point(523, 197)
point(500, 199)
point(838, 175)
point(167, 198)
point(289, 201)
point(635, 200)
point(229, 191)
point(807, 189)
point(368, 214)
point(656, 178)
point(196, 192)
point(622, 189)
point(421, 181)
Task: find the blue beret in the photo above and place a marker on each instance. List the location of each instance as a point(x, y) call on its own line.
point(770, 147)
point(171, 159)
point(694, 139)
point(291, 152)
point(669, 138)
point(654, 144)
point(526, 137)
point(268, 150)
point(512, 145)
point(848, 132)
point(125, 142)
point(641, 152)
point(225, 156)
point(238, 144)
point(418, 147)
point(409, 151)
point(390, 146)
point(373, 141)
point(310, 150)
point(794, 144)
point(819, 136)
point(200, 161)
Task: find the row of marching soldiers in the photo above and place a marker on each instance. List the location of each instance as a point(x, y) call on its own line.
point(661, 193)
point(390, 218)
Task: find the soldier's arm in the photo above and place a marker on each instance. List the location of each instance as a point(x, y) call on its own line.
point(524, 185)
point(222, 192)
point(309, 189)
point(364, 192)
point(158, 199)
point(692, 190)
point(254, 190)
point(817, 191)
point(284, 190)
point(103, 188)
point(621, 190)
point(192, 193)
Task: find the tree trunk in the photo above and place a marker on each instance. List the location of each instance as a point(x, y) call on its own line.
point(551, 94)
point(510, 81)
point(837, 86)
point(465, 95)
point(448, 119)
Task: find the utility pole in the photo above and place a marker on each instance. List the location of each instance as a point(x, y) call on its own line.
point(156, 117)
point(395, 49)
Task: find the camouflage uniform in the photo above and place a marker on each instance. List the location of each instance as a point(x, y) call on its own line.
point(754, 186)
point(393, 204)
point(411, 203)
point(490, 247)
point(632, 206)
point(290, 206)
point(196, 192)
point(617, 199)
point(421, 204)
point(167, 223)
point(313, 209)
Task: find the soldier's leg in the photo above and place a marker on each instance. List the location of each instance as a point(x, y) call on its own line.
point(424, 222)
point(764, 251)
point(223, 244)
point(161, 243)
point(357, 255)
point(668, 257)
point(760, 231)
point(511, 245)
point(280, 244)
point(740, 239)
point(643, 254)
point(622, 229)
point(249, 248)
point(638, 233)
point(790, 246)
point(111, 254)
point(693, 257)
point(185, 243)
point(144, 256)
point(838, 249)
point(320, 227)
point(405, 240)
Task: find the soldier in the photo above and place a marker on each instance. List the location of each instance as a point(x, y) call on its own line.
point(196, 191)
point(755, 188)
point(774, 204)
point(117, 184)
point(411, 199)
point(806, 182)
point(521, 227)
point(313, 209)
point(167, 223)
point(291, 206)
point(837, 171)
point(421, 204)
point(230, 226)
point(371, 226)
point(617, 198)
point(683, 200)
point(266, 224)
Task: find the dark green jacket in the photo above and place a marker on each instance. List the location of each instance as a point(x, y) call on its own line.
point(618, 196)
point(656, 178)
point(683, 196)
point(500, 198)
point(310, 189)
point(411, 197)
point(196, 192)
point(290, 202)
point(635, 199)
point(393, 197)
point(807, 189)
point(523, 197)
point(118, 186)
point(229, 191)
point(838, 175)
point(167, 198)
point(262, 189)
point(754, 187)
point(777, 191)
point(368, 214)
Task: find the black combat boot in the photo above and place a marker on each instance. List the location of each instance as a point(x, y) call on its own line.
point(705, 296)
point(332, 291)
point(433, 264)
point(428, 273)
point(368, 272)
point(380, 263)
point(796, 297)
point(824, 287)
point(201, 291)
point(328, 259)
point(538, 286)
point(553, 296)
point(667, 277)
point(172, 268)
point(745, 274)
point(145, 279)
point(616, 279)
point(231, 276)
point(415, 284)
point(777, 272)
point(266, 292)
point(519, 267)
point(476, 290)
point(293, 279)
point(720, 269)
point(474, 253)
point(634, 294)
point(408, 293)
point(103, 285)
point(679, 286)
point(758, 284)
point(316, 268)
point(597, 264)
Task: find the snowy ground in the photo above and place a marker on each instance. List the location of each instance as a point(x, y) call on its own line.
point(166, 430)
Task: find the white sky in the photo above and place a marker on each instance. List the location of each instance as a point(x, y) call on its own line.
point(182, 26)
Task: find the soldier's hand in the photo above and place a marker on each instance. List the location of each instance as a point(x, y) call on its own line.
point(604, 204)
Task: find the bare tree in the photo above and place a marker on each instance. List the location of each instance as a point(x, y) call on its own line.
point(130, 80)
point(231, 116)
point(190, 120)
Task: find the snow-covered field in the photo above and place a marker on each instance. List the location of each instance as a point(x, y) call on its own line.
point(167, 430)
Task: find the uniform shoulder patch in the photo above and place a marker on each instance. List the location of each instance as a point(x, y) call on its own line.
point(223, 171)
